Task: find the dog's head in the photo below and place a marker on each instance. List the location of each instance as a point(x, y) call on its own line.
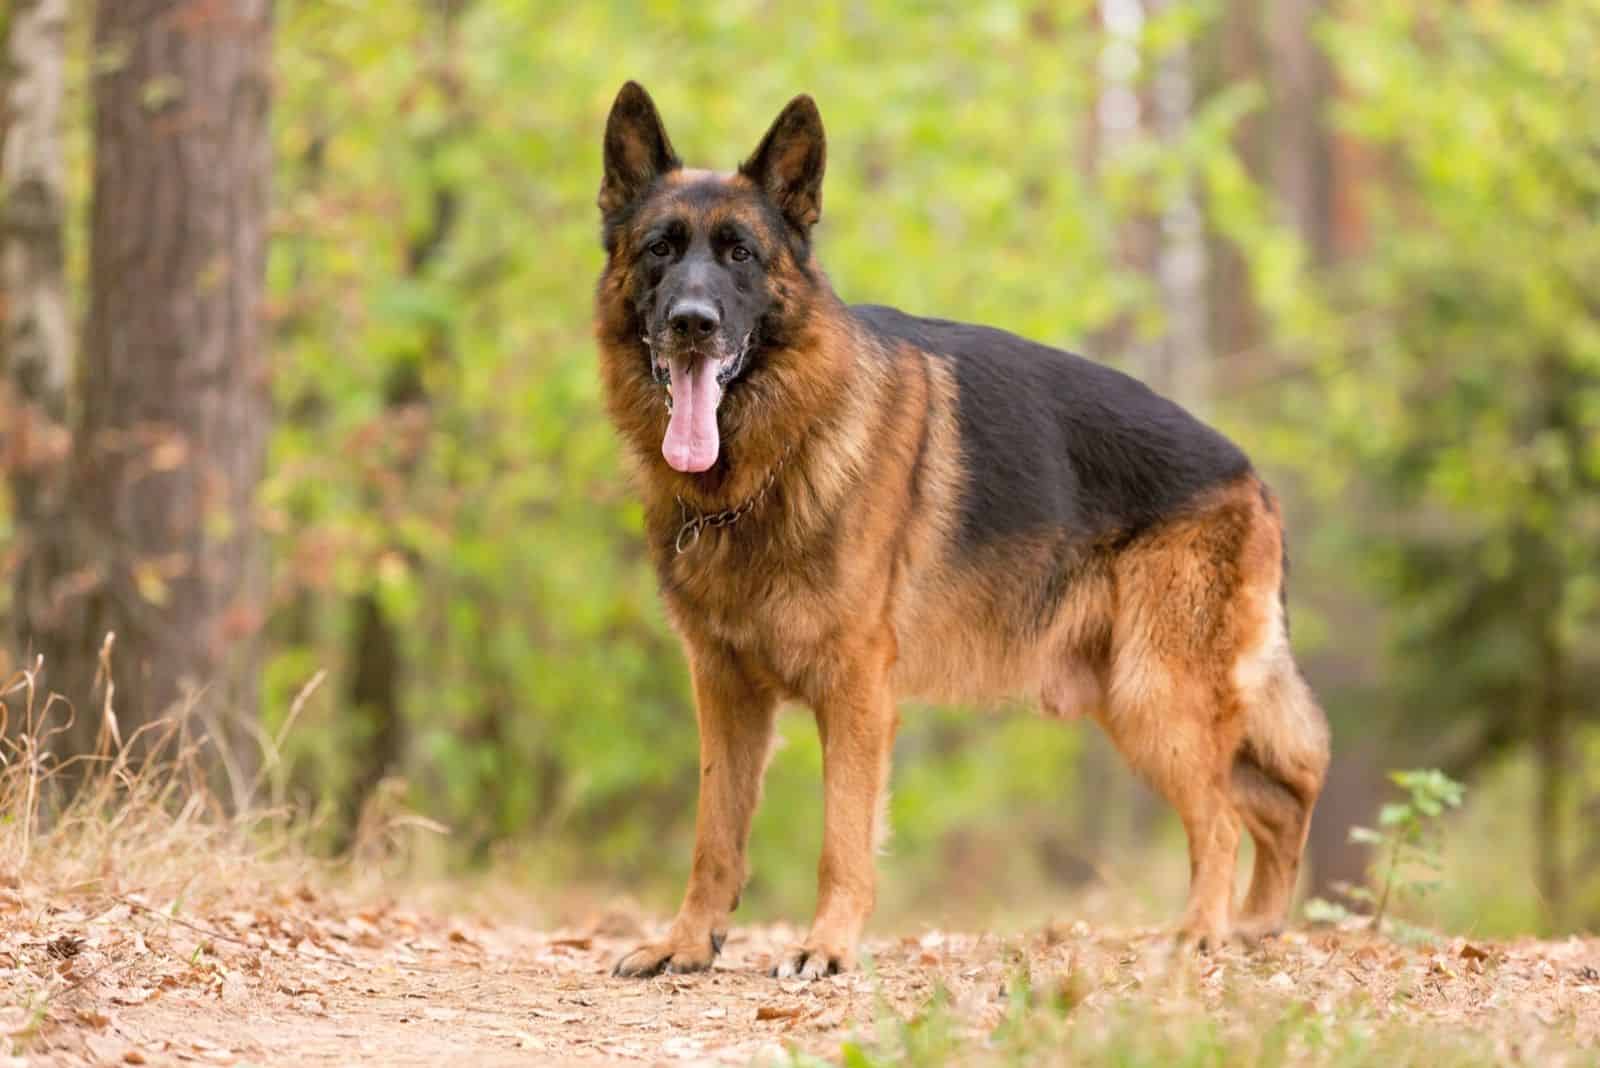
point(706, 261)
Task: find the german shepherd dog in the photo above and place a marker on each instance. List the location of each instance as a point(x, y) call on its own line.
point(848, 505)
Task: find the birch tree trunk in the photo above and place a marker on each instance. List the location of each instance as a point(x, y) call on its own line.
point(36, 337)
point(1183, 360)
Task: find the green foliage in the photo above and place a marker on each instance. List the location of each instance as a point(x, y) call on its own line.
point(1468, 392)
point(1142, 1034)
point(1407, 849)
point(1461, 388)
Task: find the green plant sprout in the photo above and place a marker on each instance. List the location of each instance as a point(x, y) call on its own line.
point(1406, 840)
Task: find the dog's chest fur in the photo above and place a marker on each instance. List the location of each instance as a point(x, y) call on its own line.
point(782, 609)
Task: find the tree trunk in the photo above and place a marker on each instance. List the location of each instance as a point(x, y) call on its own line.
point(1182, 365)
point(171, 439)
point(1551, 749)
point(36, 340)
point(1350, 797)
point(1232, 55)
point(1302, 153)
point(374, 698)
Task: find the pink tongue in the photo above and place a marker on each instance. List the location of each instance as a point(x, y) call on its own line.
point(691, 443)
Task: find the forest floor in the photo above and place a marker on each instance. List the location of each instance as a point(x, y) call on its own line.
point(143, 924)
point(292, 975)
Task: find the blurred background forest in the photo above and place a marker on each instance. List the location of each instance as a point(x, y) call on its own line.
point(298, 378)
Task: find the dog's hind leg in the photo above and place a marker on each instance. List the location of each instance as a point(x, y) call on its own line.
point(1201, 696)
point(1167, 732)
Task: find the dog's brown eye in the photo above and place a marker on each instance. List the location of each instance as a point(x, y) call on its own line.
point(739, 253)
point(661, 248)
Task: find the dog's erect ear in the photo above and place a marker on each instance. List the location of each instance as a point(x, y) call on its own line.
point(637, 151)
point(789, 162)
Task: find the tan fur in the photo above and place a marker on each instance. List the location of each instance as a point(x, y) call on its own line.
point(847, 590)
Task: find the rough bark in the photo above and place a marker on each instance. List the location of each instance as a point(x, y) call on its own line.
point(36, 338)
point(170, 443)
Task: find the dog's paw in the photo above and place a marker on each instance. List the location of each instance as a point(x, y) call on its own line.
point(1200, 938)
point(673, 958)
point(1252, 932)
point(810, 962)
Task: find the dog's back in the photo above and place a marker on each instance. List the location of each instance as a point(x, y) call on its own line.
point(1050, 440)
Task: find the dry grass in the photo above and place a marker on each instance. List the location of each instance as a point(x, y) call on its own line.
point(136, 829)
point(142, 806)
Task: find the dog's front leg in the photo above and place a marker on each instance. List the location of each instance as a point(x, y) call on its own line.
point(736, 719)
point(857, 722)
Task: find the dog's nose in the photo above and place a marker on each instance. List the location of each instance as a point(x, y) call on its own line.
point(694, 319)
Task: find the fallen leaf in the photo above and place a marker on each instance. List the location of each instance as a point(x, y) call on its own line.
point(64, 947)
point(579, 942)
point(779, 1012)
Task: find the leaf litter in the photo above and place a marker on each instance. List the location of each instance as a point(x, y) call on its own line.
point(303, 977)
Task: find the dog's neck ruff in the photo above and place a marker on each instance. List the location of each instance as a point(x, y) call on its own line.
point(695, 521)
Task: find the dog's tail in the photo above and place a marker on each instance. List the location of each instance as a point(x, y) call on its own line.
point(1280, 766)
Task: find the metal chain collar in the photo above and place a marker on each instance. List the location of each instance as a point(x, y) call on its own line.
point(696, 521)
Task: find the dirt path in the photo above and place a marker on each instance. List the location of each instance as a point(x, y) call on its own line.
point(297, 982)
